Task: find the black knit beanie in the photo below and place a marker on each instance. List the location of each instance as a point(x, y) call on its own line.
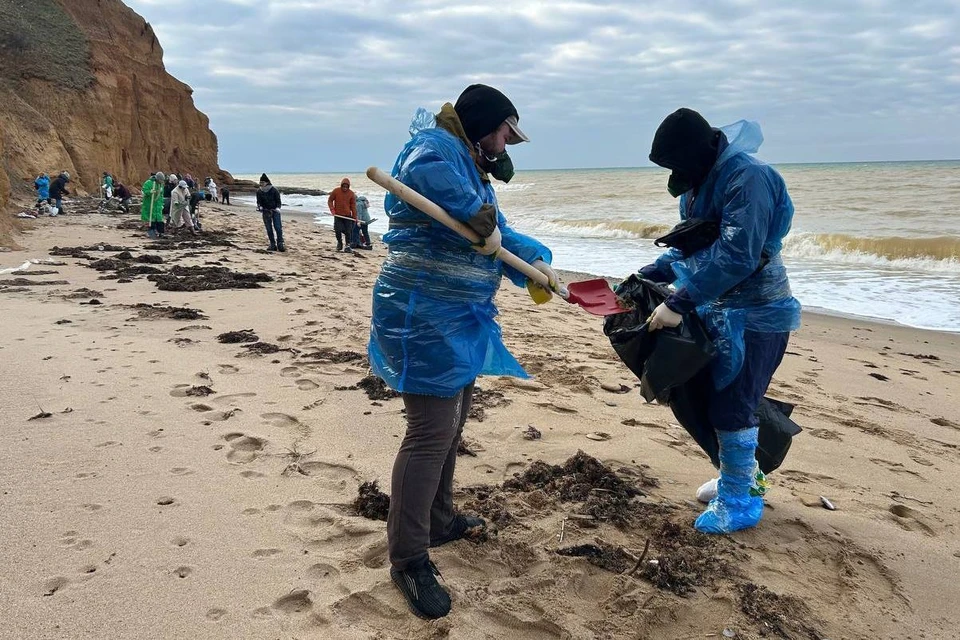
point(686, 142)
point(264, 178)
point(482, 109)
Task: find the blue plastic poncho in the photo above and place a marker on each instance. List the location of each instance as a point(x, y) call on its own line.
point(42, 185)
point(433, 329)
point(750, 200)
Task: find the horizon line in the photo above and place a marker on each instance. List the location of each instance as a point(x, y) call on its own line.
point(625, 167)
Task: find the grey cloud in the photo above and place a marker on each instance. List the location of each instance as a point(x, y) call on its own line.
point(334, 84)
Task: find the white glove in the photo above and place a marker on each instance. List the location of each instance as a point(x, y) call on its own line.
point(548, 271)
point(663, 316)
point(491, 244)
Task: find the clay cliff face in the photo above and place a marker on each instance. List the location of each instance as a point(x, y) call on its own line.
point(83, 89)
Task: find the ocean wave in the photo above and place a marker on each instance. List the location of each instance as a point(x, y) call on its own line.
point(940, 253)
point(595, 228)
point(500, 187)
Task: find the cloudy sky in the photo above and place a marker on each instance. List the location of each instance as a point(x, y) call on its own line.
point(324, 85)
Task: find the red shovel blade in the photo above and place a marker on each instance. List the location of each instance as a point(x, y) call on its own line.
point(595, 296)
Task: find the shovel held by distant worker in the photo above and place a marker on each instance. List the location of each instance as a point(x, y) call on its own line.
point(594, 296)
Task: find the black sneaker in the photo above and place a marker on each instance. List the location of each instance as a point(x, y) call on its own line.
point(272, 248)
point(281, 248)
point(461, 527)
point(427, 599)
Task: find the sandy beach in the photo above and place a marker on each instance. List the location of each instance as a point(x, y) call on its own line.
point(159, 483)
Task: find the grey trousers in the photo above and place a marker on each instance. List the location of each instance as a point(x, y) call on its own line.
point(421, 493)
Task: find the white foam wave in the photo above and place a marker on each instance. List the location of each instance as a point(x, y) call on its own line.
point(807, 246)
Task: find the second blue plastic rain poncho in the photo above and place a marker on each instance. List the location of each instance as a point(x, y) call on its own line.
point(434, 329)
point(750, 201)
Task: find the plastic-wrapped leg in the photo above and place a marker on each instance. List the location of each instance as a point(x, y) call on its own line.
point(739, 501)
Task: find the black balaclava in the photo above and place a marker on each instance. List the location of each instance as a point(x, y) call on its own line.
point(686, 144)
point(482, 109)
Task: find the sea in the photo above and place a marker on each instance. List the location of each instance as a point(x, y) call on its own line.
point(879, 240)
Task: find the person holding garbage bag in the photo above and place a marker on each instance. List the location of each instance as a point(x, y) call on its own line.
point(735, 281)
point(433, 329)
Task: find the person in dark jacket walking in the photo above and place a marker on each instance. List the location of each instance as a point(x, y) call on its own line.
point(268, 202)
point(58, 189)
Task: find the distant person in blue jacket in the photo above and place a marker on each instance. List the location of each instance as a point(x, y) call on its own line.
point(738, 285)
point(361, 231)
point(42, 187)
point(433, 329)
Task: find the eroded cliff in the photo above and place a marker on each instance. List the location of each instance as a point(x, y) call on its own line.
point(83, 88)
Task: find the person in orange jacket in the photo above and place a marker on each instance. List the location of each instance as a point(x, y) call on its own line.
point(343, 205)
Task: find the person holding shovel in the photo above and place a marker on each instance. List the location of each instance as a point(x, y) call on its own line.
point(343, 207)
point(737, 283)
point(433, 329)
point(151, 209)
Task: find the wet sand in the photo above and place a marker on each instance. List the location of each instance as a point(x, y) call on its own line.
point(175, 485)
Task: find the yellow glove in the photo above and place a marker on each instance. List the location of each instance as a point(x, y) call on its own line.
point(537, 292)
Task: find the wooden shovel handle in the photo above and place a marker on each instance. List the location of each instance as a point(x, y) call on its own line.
point(436, 212)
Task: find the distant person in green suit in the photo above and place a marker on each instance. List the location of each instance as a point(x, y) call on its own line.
point(151, 211)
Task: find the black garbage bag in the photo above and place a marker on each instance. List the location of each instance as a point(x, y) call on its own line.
point(661, 359)
point(672, 367)
point(689, 406)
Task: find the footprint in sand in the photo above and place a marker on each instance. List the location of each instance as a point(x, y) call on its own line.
point(91, 507)
point(373, 610)
point(231, 398)
point(108, 443)
point(910, 519)
point(320, 524)
point(244, 448)
point(252, 475)
point(54, 585)
point(265, 553)
point(324, 572)
point(295, 602)
point(338, 474)
point(201, 408)
point(305, 384)
point(155, 449)
point(227, 369)
point(181, 471)
point(183, 572)
point(895, 467)
point(282, 420)
point(215, 614)
point(290, 372)
point(180, 541)
point(222, 416)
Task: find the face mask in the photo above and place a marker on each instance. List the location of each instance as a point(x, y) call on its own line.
point(678, 184)
point(500, 166)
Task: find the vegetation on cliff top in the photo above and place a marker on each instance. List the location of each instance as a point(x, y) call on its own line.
point(39, 39)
